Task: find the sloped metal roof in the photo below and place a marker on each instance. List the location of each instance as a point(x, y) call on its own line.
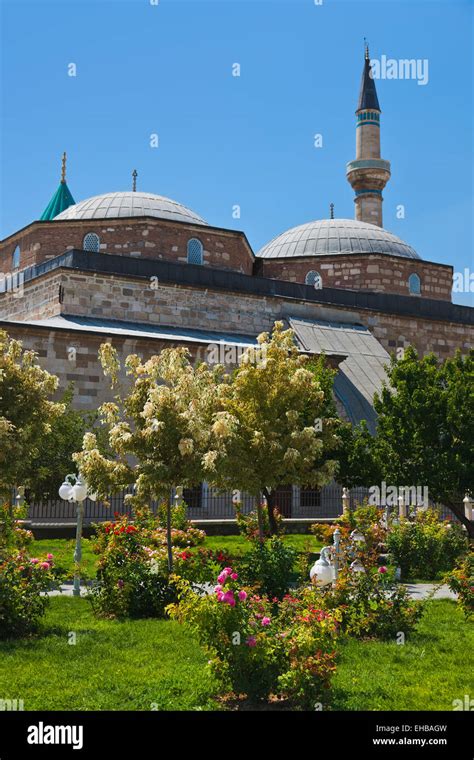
point(361, 373)
point(140, 330)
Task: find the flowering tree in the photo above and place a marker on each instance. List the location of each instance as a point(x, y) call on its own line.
point(271, 427)
point(27, 413)
point(159, 430)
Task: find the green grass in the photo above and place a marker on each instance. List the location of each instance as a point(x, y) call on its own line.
point(63, 549)
point(157, 664)
point(426, 673)
point(136, 665)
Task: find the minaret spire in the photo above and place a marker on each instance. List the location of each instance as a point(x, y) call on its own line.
point(369, 173)
point(63, 169)
point(134, 180)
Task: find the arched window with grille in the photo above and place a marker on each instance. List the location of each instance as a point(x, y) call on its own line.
point(195, 251)
point(314, 278)
point(16, 258)
point(91, 242)
point(414, 284)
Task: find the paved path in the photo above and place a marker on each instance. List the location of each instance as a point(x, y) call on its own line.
point(416, 590)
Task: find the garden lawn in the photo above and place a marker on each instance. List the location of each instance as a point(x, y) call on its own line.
point(426, 673)
point(136, 665)
point(157, 664)
point(63, 549)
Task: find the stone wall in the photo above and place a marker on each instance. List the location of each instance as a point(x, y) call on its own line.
point(71, 292)
point(375, 272)
point(143, 238)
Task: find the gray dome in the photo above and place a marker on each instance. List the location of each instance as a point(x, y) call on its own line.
point(330, 236)
point(113, 205)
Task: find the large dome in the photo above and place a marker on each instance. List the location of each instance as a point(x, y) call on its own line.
point(113, 205)
point(330, 236)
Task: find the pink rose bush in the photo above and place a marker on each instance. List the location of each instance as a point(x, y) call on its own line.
point(23, 579)
point(258, 647)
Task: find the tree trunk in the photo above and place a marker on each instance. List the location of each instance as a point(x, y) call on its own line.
point(459, 512)
point(168, 535)
point(261, 535)
point(270, 497)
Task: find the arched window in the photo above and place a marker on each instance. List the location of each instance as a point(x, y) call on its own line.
point(314, 278)
point(195, 251)
point(414, 284)
point(91, 242)
point(16, 258)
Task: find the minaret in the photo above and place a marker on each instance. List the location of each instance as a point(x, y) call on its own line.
point(369, 173)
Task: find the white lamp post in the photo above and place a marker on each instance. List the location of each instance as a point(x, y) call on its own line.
point(345, 501)
point(467, 507)
point(402, 510)
point(76, 492)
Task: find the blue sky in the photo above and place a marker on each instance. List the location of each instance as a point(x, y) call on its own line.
point(248, 140)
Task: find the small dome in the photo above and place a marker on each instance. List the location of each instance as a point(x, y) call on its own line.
point(330, 236)
point(115, 205)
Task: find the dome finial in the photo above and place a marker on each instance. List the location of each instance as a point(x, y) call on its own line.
point(63, 169)
point(331, 210)
point(134, 180)
point(366, 49)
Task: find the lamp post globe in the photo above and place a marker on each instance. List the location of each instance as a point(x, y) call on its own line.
point(322, 572)
point(65, 491)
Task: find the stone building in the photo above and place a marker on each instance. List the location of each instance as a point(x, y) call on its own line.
point(146, 272)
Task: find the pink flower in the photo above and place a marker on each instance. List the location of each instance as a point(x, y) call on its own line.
point(382, 569)
point(266, 621)
point(34, 561)
point(251, 641)
point(228, 597)
point(242, 596)
point(49, 556)
point(227, 570)
point(45, 566)
point(217, 589)
point(234, 576)
point(222, 577)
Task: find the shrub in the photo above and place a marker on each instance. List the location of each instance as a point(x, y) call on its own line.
point(461, 581)
point(427, 545)
point(22, 578)
point(258, 648)
point(268, 567)
point(371, 604)
point(248, 524)
point(132, 578)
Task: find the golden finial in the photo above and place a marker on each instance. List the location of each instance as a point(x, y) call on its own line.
point(134, 176)
point(63, 169)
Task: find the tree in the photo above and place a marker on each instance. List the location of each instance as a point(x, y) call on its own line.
point(271, 428)
point(54, 458)
point(159, 428)
point(425, 434)
point(27, 413)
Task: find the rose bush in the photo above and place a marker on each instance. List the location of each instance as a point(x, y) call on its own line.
point(259, 647)
point(22, 578)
